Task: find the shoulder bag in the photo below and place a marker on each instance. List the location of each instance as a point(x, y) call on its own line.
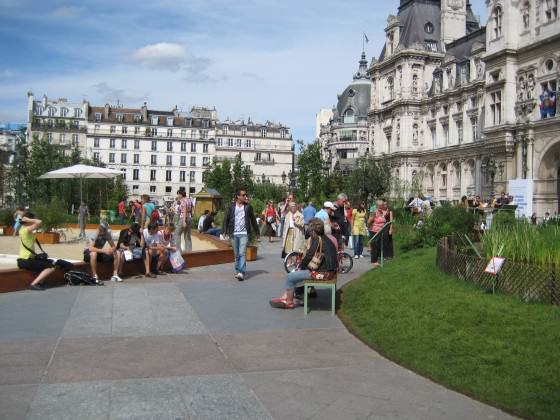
point(317, 258)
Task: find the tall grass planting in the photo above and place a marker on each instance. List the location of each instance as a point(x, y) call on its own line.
point(524, 243)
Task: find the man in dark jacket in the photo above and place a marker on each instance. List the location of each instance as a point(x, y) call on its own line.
point(239, 223)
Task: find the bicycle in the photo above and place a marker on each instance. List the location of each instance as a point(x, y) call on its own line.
point(292, 261)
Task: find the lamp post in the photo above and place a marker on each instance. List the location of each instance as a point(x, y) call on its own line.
point(283, 177)
point(491, 169)
point(263, 178)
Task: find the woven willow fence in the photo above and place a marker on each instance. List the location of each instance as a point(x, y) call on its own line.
point(530, 283)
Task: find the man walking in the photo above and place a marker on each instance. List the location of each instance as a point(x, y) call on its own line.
point(83, 215)
point(239, 223)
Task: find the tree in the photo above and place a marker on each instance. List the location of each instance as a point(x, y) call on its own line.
point(227, 178)
point(368, 179)
point(310, 180)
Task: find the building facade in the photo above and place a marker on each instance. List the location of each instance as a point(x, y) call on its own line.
point(266, 148)
point(459, 109)
point(59, 121)
point(160, 152)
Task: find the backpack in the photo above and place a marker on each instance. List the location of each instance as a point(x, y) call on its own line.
point(154, 216)
point(76, 278)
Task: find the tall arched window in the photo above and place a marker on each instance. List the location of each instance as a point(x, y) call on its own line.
point(391, 87)
point(349, 116)
point(497, 16)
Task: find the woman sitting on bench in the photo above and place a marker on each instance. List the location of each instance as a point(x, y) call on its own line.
point(319, 250)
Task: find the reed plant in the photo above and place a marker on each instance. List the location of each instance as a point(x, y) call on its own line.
point(523, 242)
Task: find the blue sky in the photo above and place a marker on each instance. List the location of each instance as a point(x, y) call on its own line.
point(278, 60)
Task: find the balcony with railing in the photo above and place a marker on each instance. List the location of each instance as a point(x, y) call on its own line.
point(265, 161)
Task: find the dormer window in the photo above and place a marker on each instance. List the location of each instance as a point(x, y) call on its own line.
point(154, 120)
point(263, 131)
point(429, 28)
point(431, 45)
point(243, 131)
point(98, 116)
point(63, 112)
point(77, 112)
point(497, 16)
point(120, 117)
point(169, 121)
point(349, 117)
point(226, 130)
point(137, 118)
point(52, 111)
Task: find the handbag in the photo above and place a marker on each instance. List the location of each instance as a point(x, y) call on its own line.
point(177, 261)
point(41, 256)
point(317, 258)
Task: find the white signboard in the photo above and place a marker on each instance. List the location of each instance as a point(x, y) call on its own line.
point(522, 192)
point(495, 266)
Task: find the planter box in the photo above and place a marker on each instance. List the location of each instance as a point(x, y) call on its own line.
point(8, 231)
point(251, 253)
point(48, 237)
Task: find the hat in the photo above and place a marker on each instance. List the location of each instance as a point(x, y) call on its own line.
point(329, 205)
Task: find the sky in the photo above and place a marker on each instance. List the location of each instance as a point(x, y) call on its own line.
point(270, 60)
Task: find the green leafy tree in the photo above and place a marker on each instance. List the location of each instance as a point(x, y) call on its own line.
point(310, 181)
point(368, 179)
point(226, 177)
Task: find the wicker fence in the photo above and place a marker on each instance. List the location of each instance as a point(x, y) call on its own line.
point(527, 282)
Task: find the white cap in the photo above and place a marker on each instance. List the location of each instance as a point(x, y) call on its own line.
point(329, 205)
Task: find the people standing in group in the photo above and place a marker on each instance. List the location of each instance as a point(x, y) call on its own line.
point(282, 210)
point(27, 257)
point(338, 220)
point(271, 218)
point(147, 208)
point(83, 216)
point(209, 227)
point(121, 210)
point(293, 238)
point(239, 223)
point(325, 215)
point(308, 213)
point(200, 225)
point(383, 241)
point(359, 230)
point(348, 223)
point(96, 251)
point(184, 241)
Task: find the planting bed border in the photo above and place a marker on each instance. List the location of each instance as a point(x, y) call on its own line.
point(530, 283)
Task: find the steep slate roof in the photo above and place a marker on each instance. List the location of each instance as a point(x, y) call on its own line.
point(461, 48)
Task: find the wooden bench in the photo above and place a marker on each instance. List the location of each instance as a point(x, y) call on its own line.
point(320, 284)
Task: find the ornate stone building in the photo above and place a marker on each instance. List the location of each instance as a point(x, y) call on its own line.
point(460, 109)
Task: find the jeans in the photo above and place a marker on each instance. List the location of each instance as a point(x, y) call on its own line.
point(214, 231)
point(121, 219)
point(358, 242)
point(239, 244)
point(296, 277)
point(82, 223)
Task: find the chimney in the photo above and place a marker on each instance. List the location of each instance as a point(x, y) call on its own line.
point(107, 111)
point(145, 112)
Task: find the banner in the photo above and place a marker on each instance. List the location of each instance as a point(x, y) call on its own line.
point(522, 192)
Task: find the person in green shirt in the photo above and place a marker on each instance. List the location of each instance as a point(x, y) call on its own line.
point(27, 260)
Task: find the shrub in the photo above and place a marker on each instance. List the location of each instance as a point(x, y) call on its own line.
point(7, 217)
point(505, 218)
point(51, 214)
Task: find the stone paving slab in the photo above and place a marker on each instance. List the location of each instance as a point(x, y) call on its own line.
point(111, 358)
point(15, 400)
point(194, 397)
point(35, 315)
point(292, 349)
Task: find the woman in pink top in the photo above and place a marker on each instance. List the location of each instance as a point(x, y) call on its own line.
point(375, 224)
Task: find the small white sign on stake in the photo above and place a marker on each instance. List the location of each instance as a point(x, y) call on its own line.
point(495, 265)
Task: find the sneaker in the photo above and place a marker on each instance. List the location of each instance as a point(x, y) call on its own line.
point(240, 276)
point(356, 257)
point(96, 279)
point(36, 287)
point(116, 278)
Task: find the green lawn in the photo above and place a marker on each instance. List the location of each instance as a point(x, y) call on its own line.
point(493, 348)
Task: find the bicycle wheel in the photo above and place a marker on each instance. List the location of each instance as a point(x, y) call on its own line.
point(292, 261)
point(345, 262)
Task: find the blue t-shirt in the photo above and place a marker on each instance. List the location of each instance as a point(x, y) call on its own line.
point(323, 215)
point(149, 209)
point(308, 214)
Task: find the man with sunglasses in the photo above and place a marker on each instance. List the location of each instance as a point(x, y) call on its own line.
point(239, 223)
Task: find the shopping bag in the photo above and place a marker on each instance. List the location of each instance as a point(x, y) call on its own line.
point(127, 255)
point(177, 261)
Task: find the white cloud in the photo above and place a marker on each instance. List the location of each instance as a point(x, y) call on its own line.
point(163, 55)
point(111, 94)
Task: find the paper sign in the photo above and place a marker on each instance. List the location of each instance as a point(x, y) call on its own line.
point(495, 265)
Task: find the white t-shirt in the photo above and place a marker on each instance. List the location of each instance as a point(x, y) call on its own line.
point(239, 222)
point(150, 240)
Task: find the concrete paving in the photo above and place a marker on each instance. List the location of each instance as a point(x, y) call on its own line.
point(201, 345)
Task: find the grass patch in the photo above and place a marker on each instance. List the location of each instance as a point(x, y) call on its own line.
point(493, 348)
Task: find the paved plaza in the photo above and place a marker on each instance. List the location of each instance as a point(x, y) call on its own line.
point(201, 345)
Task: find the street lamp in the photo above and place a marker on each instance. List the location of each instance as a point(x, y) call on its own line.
point(283, 177)
point(263, 178)
point(491, 169)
